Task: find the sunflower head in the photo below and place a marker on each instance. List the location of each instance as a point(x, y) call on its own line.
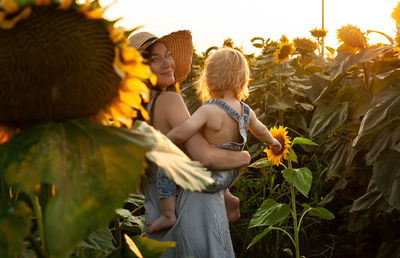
point(304, 45)
point(62, 60)
point(396, 13)
point(284, 39)
point(352, 36)
point(283, 52)
point(318, 33)
point(280, 134)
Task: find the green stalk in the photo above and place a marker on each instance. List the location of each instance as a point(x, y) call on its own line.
point(294, 215)
point(280, 94)
point(39, 219)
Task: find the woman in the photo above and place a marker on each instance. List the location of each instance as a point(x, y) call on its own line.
point(202, 228)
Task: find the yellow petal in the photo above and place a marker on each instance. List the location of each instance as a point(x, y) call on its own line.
point(95, 14)
point(8, 24)
point(118, 66)
point(117, 34)
point(10, 6)
point(139, 70)
point(65, 4)
point(133, 246)
point(153, 79)
point(132, 99)
point(130, 54)
point(137, 85)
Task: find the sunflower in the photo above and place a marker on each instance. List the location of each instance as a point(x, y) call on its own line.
point(396, 13)
point(280, 134)
point(352, 36)
point(283, 52)
point(61, 60)
point(318, 33)
point(304, 45)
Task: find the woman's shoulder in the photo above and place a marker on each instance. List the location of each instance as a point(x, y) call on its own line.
point(170, 98)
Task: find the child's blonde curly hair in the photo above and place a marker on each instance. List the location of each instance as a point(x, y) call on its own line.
point(225, 69)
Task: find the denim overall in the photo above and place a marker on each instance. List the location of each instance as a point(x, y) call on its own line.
point(222, 179)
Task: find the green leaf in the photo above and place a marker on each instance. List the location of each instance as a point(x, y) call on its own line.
point(188, 174)
point(321, 213)
point(15, 223)
point(288, 251)
point(258, 237)
point(260, 163)
point(301, 178)
point(98, 244)
point(386, 173)
point(269, 213)
point(292, 155)
point(301, 140)
point(363, 56)
point(151, 248)
point(327, 118)
point(379, 116)
point(93, 168)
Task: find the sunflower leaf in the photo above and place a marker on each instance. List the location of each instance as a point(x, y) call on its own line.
point(15, 222)
point(292, 155)
point(93, 169)
point(301, 140)
point(301, 178)
point(264, 162)
point(269, 213)
point(258, 237)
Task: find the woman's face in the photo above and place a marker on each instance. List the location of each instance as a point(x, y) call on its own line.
point(162, 65)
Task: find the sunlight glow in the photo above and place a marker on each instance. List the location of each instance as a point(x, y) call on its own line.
point(212, 21)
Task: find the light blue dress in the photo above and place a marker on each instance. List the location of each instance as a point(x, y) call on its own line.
point(201, 229)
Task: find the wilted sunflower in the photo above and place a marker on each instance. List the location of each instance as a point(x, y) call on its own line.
point(304, 45)
point(318, 33)
point(61, 60)
point(283, 52)
point(352, 36)
point(280, 134)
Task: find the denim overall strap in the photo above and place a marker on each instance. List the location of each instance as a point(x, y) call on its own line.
point(243, 119)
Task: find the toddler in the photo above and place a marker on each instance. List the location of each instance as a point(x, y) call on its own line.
point(223, 120)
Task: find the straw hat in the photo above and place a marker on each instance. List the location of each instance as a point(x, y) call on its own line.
point(179, 43)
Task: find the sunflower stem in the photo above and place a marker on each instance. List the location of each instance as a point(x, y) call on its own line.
point(39, 219)
point(294, 215)
point(280, 111)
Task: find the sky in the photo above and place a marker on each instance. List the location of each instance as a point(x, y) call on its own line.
point(213, 21)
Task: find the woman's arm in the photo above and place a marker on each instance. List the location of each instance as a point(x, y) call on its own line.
point(198, 148)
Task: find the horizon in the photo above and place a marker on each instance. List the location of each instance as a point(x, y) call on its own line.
point(211, 22)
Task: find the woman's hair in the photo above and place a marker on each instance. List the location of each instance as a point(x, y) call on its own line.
point(225, 69)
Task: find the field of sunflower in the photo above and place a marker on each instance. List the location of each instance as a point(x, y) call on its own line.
point(338, 191)
point(333, 191)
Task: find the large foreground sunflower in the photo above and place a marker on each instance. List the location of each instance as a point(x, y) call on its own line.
point(61, 60)
point(280, 134)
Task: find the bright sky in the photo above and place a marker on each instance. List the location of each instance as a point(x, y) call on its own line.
point(212, 21)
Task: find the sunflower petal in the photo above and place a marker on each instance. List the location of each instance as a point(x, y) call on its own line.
point(10, 6)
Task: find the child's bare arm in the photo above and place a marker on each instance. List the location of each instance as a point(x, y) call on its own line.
point(260, 131)
point(187, 129)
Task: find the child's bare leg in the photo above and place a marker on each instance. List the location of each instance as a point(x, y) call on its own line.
point(167, 218)
point(232, 206)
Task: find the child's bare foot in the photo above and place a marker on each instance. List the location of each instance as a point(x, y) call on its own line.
point(163, 222)
point(232, 206)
